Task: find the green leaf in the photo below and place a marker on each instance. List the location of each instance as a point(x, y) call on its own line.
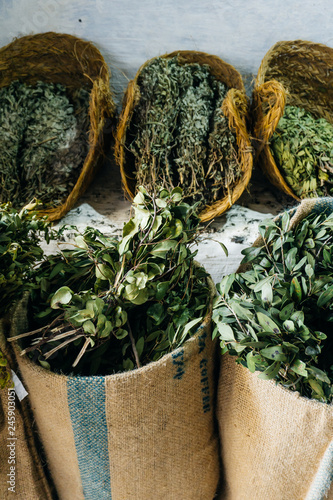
point(177, 194)
point(270, 372)
point(250, 254)
point(267, 293)
point(275, 353)
point(190, 325)
point(89, 327)
point(289, 325)
point(104, 272)
point(106, 330)
point(267, 323)
point(296, 290)
point(121, 333)
point(141, 298)
point(226, 332)
point(161, 289)
point(325, 297)
point(290, 258)
point(260, 284)
point(286, 312)
point(62, 296)
point(250, 360)
point(285, 221)
point(80, 242)
point(299, 367)
point(140, 345)
point(316, 387)
point(319, 374)
point(161, 249)
point(226, 284)
point(156, 312)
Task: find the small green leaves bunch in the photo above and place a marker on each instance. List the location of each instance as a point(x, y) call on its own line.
point(20, 237)
point(123, 303)
point(276, 316)
point(179, 134)
point(302, 147)
point(5, 373)
point(43, 134)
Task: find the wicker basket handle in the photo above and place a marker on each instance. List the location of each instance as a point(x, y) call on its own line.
point(269, 103)
point(235, 108)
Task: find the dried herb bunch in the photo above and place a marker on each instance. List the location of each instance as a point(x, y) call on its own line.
point(20, 237)
point(44, 137)
point(111, 305)
point(276, 317)
point(302, 147)
point(179, 135)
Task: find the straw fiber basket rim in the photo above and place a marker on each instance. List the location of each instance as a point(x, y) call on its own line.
point(73, 62)
point(297, 73)
point(234, 107)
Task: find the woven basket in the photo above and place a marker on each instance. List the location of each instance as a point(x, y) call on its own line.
point(234, 107)
point(72, 62)
point(297, 73)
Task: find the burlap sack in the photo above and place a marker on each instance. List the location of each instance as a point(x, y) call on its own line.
point(140, 435)
point(276, 445)
point(22, 469)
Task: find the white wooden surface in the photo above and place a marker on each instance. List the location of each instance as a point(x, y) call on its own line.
point(128, 32)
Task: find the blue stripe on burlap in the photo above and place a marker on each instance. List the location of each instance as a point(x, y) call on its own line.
point(86, 400)
point(323, 478)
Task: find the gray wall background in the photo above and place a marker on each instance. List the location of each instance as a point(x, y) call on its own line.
point(128, 32)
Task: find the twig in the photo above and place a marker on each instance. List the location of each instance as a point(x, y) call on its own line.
point(133, 345)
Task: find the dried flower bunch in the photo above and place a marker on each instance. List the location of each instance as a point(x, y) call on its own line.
point(44, 137)
point(302, 148)
point(108, 305)
point(179, 135)
point(276, 317)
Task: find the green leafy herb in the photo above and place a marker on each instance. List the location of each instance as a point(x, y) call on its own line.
point(276, 316)
point(110, 305)
point(302, 147)
point(43, 134)
point(20, 236)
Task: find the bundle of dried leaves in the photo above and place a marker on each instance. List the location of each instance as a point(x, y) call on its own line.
point(179, 135)
point(44, 138)
point(110, 305)
point(302, 147)
point(277, 316)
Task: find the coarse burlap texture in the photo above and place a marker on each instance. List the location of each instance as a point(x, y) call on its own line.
point(73, 62)
point(273, 440)
point(145, 434)
point(21, 466)
point(235, 108)
point(296, 73)
point(275, 444)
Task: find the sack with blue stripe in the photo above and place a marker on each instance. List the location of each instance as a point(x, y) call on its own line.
point(139, 435)
point(276, 444)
